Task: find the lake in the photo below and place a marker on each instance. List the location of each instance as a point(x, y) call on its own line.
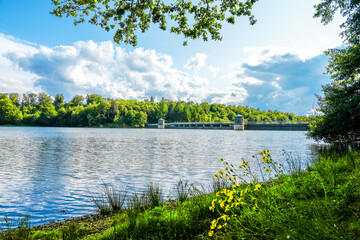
point(51, 173)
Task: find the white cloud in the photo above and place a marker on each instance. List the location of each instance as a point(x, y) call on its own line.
point(258, 55)
point(250, 81)
point(196, 62)
point(280, 79)
point(214, 70)
point(12, 78)
point(105, 69)
point(233, 96)
point(270, 78)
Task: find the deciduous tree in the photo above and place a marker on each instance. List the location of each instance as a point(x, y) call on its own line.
point(192, 19)
point(340, 103)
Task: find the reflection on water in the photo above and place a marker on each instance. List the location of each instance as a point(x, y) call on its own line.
point(44, 171)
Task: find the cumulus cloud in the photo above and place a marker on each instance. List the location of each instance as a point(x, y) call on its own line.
point(233, 96)
point(108, 70)
point(214, 70)
point(258, 55)
point(281, 80)
point(196, 62)
point(12, 78)
point(249, 80)
point(269, 78)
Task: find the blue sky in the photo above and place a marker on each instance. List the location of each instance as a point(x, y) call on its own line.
point(276, 64)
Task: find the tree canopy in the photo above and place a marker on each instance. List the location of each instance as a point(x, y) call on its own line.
point(340, 104)
point(349, 9)
point(192, 19)
point(94, 110)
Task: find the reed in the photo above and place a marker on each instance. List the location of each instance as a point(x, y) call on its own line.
point(182, 189)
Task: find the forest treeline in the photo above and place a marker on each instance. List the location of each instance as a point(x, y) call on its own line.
point(94, 110)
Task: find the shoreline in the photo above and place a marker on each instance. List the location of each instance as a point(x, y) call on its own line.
point(272, 209)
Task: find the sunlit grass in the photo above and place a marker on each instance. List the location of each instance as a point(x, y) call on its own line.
point(286, 201)
point(319, 203)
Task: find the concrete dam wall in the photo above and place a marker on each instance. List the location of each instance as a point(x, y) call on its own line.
point(238, 124)
point(279, 127)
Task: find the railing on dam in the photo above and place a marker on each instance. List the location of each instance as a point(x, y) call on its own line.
point(276, 122)
point(195, 125)
point(250, 125)
point(201, 125)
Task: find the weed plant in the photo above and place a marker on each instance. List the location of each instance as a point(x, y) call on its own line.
point(16, 229)
point(182, 191)
point(137, 202)
point(110, 199)
point(320, 203)
point(70, 232)
point(115, 198)
point(218, 184)
point(154, 195)
point(101, 204)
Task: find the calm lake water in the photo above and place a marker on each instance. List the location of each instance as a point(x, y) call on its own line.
point(50, 173)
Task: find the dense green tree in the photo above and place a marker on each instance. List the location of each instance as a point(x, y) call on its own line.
point(340, 103)
point(192, 19)
point(9, 112)
point(231, 115)
point(178, 113)
point(32, 118)
point(47, 116)
point(117, 113)
point(44, 99)
point(15, 98)
point(129, 119)
point(77, 116)
point(140, 119)
point(113, 111)
point(162, 109)
point(32, 99)
point(341, 108)
point(59, 101)
point(25, 101)
point(349, 9)
point(94, 98)
point(206, 107)
point(77, 100)
point(186, 114)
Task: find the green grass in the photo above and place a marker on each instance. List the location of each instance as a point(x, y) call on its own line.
point(109, 200)
point(321, 202)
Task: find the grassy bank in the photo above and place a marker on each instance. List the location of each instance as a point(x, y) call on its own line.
point(322, 202)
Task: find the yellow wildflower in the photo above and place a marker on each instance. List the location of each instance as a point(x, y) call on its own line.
point(243, 164)
point(257, 186)
point(213, 224)
point(211, 233)
point(225, 217)
point(267, 170)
